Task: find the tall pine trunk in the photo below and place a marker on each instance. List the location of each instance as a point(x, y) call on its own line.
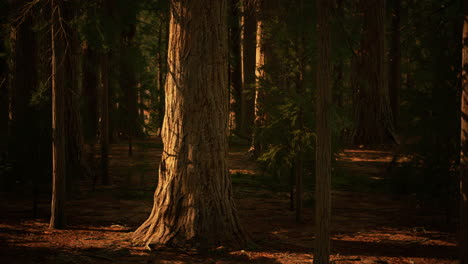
point(57, 218)
point(323, 146)
point(193, 203)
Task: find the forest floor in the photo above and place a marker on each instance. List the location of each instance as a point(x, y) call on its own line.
point(368, 225)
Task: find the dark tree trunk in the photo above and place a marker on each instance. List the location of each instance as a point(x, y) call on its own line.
point(90, 94)
point(104, 124)
point(464, 145)
point(323, 146)
point(235, 70)
point(23, 86)
point(186, 213)
point(374, 122)
point(57, 218)
point(395, 63)
point(4, 84)
point(76, 163)
point(128, 84)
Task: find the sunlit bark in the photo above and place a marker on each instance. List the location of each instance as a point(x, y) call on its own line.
point(193, 204)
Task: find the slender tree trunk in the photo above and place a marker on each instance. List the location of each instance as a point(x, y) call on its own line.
point(104, 125)
point(395, 63)
point(57, 218)
point(236, 66)
point(464, 145)
point(128, 84)
point(193, 203)
point(249, 28)
point(4, 83)
point(259, 119)
point(323, 145)
point(374, 122)
point(90, 95)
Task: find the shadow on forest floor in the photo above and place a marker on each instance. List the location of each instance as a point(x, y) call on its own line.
point(368, 227)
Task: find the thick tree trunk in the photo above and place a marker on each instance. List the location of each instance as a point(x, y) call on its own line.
point(395, 63)
point(323, 146)
point(374, 122)
point(249, 28)
point(193, 203)
point(464, 145)
point(57, 218)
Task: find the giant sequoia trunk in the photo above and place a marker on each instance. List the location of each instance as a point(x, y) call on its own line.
point(374, 123)
point(193, 203)
point(323, 145)
point(464, 145)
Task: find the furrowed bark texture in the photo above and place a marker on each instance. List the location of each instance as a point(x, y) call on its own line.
point(193, 204)
point(323, 146)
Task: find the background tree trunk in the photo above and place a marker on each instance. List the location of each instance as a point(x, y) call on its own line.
point(57, 218)
point(374, 122)
point(90, 95)
point(235, 70)
point(323, 152)
point(464, 145)
point(248, 44)
point(4, 83)
point(23, 86)
point(395, 63)
point(194, 189)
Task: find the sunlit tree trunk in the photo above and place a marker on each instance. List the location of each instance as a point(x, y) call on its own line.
point(323, 140)
point(395, 63)
point(248, 50)
point(260, 74)
point(374, 122)
point(57, 218)
point(464, 145)
point(193, 203)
